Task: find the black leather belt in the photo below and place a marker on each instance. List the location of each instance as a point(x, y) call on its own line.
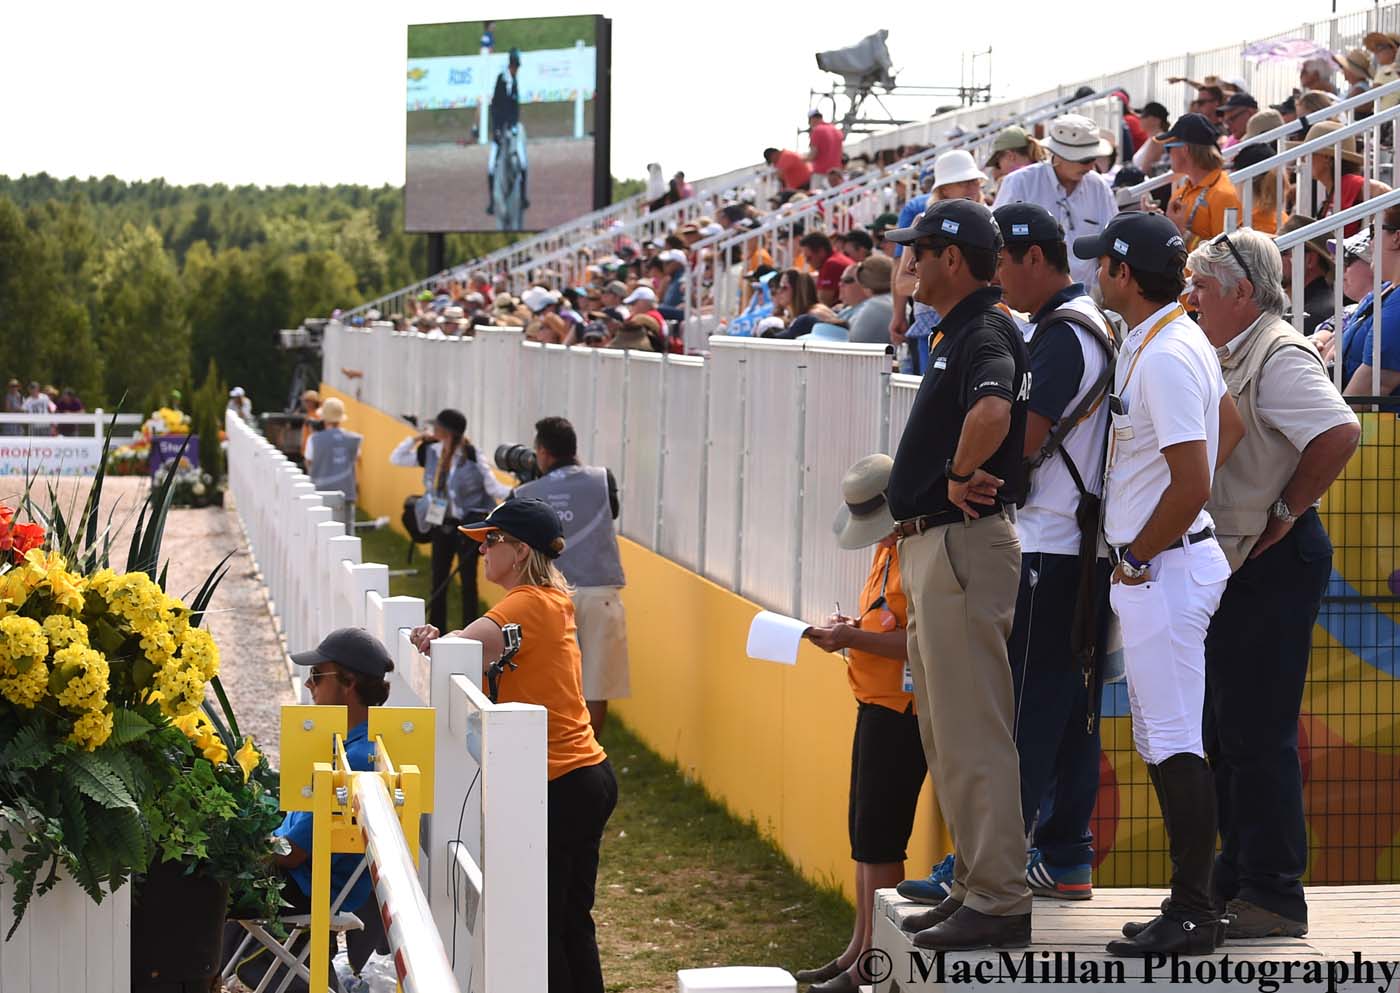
point(918, 525)
point(1193, 538)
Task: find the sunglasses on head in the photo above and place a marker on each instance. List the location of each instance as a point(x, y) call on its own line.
point(1225, 239)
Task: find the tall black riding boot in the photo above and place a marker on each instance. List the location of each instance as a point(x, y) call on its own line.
point(524, 189)
point(1189, 924)
point(490, 193)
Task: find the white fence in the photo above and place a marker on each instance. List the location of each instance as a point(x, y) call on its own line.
point(730, 465)
point(59, 444)
point(483, 860)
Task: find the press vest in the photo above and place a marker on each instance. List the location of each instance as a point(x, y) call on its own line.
point(579, 495)
point(467, 499)
point(333, 463)
point(1254, 475)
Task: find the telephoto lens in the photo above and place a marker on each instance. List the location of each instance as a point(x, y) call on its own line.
point(518, 460)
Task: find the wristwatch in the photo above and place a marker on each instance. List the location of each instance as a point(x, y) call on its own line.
point(1281, 511)
point(953, 476)
point(1131, 567)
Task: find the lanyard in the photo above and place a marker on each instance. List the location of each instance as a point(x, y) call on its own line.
point(1163, 321)
point(1200, 202)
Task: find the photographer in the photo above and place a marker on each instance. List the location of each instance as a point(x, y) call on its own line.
point(585, 497)
point(521, 539)
point(459, 486)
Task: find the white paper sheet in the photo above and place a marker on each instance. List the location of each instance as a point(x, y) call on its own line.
point(775, 637)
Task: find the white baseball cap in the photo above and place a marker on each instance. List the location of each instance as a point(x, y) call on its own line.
point(641, 293)
point(672, 255)
point(536, 298)
point(956, 166)
point(237, 391)
point(1076, 139)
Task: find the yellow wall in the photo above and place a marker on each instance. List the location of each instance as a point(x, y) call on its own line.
point(698, 700)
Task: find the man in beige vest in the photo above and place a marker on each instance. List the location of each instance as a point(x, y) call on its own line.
point(1299, 434)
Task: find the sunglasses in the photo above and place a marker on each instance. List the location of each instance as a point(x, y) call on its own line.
point(1225, 238)
point(312, 676)
point(494, 538)
point(847, 282)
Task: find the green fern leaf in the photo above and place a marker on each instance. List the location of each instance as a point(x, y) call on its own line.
point(128, 726)
point(95, 777)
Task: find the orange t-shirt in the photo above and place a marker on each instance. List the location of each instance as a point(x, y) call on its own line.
point(793, 170)
point(549, 673)
point(875, 678)
point(1205, 206)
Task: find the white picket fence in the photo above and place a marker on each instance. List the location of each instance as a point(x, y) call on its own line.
point(483, 860)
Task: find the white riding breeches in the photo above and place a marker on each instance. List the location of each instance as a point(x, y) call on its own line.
point(1164, 623)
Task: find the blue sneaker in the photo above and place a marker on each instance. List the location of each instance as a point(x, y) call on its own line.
point(1071, 882)
point(932, 889)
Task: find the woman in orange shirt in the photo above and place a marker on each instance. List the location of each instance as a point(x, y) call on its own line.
point(887, 758)
point(520, 540)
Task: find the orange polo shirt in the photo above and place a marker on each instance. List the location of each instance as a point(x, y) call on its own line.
point(549, 673)
point(1205, 206)
point(875, 678)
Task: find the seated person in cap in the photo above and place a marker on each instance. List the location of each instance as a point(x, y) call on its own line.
point(347, 669)
point(1235, 117)
point(1317, 275)
point(1198, 205)
point(520, 541)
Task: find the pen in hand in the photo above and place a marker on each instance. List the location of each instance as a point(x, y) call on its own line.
point(844, 654)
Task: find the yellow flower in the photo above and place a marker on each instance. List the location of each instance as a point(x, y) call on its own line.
point(22, 641)
point(81, 678)
point(92, 729)
point(63, 631)
point(188, 723)
point(198, 651)
point(216, 751)
point(248, 758)
point(28, 687)
point(66, 588)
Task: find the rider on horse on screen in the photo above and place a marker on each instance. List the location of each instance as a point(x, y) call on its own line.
point(505, 115)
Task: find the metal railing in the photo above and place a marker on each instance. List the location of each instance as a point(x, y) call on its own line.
point(482, 866)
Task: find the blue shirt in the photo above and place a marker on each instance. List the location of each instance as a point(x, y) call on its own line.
point(908, 212)
point(1358, 337)
point(675, 291)
point(296, 828)
point(1057, 361)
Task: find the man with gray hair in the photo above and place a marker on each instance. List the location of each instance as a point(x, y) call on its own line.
point(1299, 435)
point(1318, 73)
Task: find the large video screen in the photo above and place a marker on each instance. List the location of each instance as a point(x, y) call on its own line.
point(507, 123)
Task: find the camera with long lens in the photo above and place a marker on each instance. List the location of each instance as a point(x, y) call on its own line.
point(518, 460)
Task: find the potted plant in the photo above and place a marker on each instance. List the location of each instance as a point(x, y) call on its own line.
point(112, 761)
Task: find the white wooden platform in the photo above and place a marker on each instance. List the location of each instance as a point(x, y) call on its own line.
point(1346, 923)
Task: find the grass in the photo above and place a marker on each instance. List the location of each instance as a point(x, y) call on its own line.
point(682, 884)
point(526, 34)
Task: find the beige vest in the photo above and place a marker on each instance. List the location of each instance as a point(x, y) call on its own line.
point(1254, 476)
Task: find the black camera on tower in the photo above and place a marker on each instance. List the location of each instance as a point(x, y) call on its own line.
point(518, 460)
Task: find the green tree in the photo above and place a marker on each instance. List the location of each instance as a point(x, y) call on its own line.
point(141, 319)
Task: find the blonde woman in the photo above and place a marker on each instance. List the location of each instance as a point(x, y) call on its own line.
point(520, 540)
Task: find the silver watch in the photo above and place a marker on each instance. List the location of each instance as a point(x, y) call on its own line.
point(1281, 511)
point(1133, 571)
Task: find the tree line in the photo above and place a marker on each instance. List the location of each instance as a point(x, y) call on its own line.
point(129, 289)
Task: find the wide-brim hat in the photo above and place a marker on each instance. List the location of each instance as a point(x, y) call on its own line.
point(1317, 243)
point(1076, 139)
point(1346, 148)
point(1377, 38)
point(1357, 60)
point(332, 411)
point(956, 166)
point(864, 517)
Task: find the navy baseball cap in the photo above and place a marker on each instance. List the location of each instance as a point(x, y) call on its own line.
point(1026, 224)
point(354, 649)
point(959, 221)
point(1146, 241)
point(533, 522)
point(1190, 129)
point(1241, 100)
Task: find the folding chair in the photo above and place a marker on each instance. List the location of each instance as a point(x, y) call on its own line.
point(296, 924)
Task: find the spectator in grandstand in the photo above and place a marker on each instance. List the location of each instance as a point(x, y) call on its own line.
point(612, 293)
point(347, 669)
point(1382, 44)
point(1356, 73)
point(642, 300)
point(1235, 116)
point(639, 333)
point(852, 293)
point(882, 224)
point(1155, 120)
point(1287, 109)
point(14, 404)
point(794, 298)
point(505, 122)
point(1012, 149)
point(1267, 203)
point(673, 295)
point(586, 499)
point(333, 458)
point(1208, 101)
point(1352, 188)
point(859, 244)
point(887, 762)
point(520, 542)
point(903, 289)
point(957, 472)
point(1318, 73)
point(826, 141)
point(794, 172)
point(826, 262)
point(1359, 335)
point(1066, 184)
point(1134, 135)
point(1299, 435)
point(1317, 275)
point(459, 485)
point(869, 321)
point(240, 404)
point(1358, 280)
point(1197, 207)
point(1311, 101)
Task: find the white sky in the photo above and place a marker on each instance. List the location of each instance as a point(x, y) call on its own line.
point(308, 91)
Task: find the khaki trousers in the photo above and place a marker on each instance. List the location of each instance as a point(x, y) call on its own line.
point(962, 580)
